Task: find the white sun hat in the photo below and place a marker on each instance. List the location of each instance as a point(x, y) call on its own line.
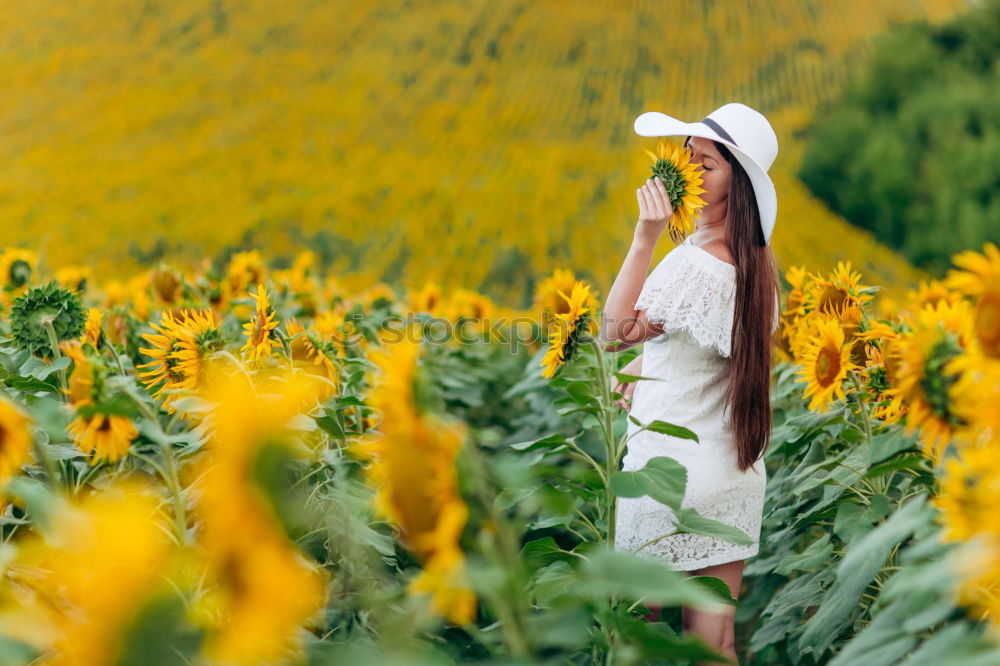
point(745, 131)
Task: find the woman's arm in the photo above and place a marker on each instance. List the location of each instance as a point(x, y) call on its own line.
point(623, 326)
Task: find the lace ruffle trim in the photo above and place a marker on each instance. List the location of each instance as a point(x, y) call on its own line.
point(692, 290)
point(642, 520)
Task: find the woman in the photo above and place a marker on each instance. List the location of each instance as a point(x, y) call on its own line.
point(710, 312)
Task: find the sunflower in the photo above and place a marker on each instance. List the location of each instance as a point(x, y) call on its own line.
point(981, 280)
point(244, 414)
point(978, 572)
point(465, 306)
point(412, 465)
point(81, 385)
point(800, 332)
point(548, 295)
point(74, 278)
point(840, 289)
point(93, 334)
point(103, 436)
point(444, 578)
point(826, 360)
point(76, 589)
point(378, 294)
point(167, 285)
point(16, 267)
point(882, 368)
point(138, 295)
point(257, 601)
point(929, 292)
point(15, 439)
point(794, 309)
point(413, 468)
point(795, 302)
point(260, 339)
point(428, 299)
point(569, 328)
point(854, 324)
point(975, 396)
point(672, 163)
point(941, 333)
point(328, 322)
point(41, 309)
point(314, 353)
point(178, 352)
point(197, 335)
point(262, 588)
point(244, 269)
point(887, 306)
point(969, 487)
point(297, 285)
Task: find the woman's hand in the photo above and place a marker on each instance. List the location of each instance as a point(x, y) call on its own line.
point(633, 367)
point(654, 208)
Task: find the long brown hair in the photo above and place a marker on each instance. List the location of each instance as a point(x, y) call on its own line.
point(757, 292)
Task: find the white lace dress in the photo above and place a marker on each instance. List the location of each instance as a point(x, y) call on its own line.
point(691, 292)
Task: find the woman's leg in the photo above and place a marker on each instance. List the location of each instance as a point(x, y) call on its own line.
point(717, 629)
point(653, 615)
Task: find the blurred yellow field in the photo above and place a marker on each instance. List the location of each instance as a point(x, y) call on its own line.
point(479, 144)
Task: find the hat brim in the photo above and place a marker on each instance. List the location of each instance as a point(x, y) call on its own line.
point(654, 123)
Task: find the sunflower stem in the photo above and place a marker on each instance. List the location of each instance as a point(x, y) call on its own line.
point(169, 473)
point(502, 547)
point(118, 360)
point(56, 354)
point(863, 409)
point(611, 462)
point(83, 478)
point(173, 481)
point(284, 345)
point(48, 464)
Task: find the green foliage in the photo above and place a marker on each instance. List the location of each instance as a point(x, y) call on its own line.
point(911, 150)
point(852, 568)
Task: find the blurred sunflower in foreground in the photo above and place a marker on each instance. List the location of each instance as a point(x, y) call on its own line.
point(79, 589)
point(412, 465)
point(264, 589)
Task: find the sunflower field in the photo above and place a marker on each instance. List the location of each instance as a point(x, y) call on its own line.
point(394, 437)
point(248, 465)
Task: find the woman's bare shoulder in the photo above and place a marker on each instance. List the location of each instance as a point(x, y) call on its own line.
point(718, 249)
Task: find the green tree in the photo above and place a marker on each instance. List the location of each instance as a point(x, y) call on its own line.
point(911, 149)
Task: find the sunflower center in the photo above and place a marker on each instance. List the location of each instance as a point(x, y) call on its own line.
point(832, 299)
point(19, 272)
point(988, 323)
point(258, 329)
point(794, 300)
point(936, 382)
point(827, 366)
